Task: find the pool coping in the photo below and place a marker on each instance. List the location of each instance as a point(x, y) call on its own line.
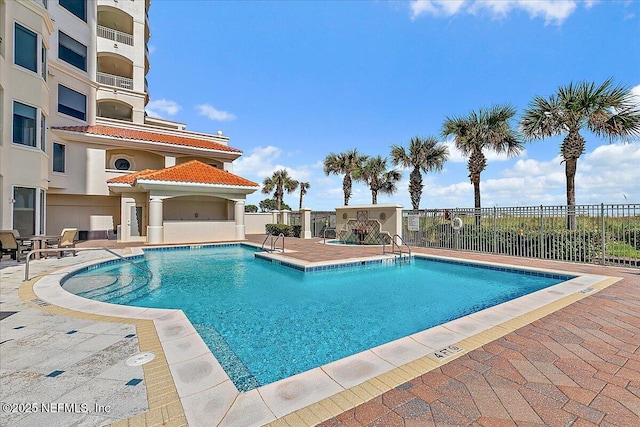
point(320, 393)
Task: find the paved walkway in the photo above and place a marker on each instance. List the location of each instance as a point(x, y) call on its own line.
point(577, 366)
point(58, 370)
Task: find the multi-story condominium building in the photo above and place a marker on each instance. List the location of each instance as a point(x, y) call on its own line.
point(76, 147)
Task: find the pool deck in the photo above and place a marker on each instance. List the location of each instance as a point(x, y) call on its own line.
point(575, 361)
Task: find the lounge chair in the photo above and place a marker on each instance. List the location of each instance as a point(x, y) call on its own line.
point(9, 245)
point(65, 241)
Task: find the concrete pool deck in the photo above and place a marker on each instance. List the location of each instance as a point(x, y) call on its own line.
point(510, 373)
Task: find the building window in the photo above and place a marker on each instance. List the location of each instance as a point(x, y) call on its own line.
point(77, 7)
point(44, 63)
point(72, 51)
point(26, 48)
point(72, 103)
point(122, 164)
point(24, 124)
point(43, 132)
point(59, 157)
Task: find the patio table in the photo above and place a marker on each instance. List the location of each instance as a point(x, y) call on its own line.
point(37, 242)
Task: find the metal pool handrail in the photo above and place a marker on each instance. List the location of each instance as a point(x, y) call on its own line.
point(273, 242)
point(324, 234)
point(394, 244)
point(26, 266)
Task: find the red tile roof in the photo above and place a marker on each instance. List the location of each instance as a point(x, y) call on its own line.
point(140, 135)
point(193, 171)
point(130, 178)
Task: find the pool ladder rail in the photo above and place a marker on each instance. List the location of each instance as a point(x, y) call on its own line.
point(324, 234)
point(38, 251)
point(273, 242)
point(402, 257)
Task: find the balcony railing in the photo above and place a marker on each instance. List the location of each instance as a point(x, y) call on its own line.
point(117, 81)
point(115, 35)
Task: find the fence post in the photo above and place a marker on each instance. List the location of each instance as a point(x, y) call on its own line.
point(495, 237)
point(541, 248)
point(602, 232)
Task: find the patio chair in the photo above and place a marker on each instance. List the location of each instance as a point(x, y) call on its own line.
point(9, 245)
point(65, 241)
point(24, 242)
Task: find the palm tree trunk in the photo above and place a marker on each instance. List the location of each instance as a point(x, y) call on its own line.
point(374, 197)
point(346, 188)
point(572, 148)
point(475, 178)
point(415, 188)
point(279, 199)
point(570, 172)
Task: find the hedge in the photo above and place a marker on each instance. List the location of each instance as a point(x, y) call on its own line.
point(287, 230)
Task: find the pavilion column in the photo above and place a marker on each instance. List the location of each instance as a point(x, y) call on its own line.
point(305, 233)
point(155, 230)
point(239, 218)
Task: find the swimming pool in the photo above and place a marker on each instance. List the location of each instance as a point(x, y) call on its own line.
point(264, 321)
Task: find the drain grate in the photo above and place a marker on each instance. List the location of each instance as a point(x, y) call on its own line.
point(140, 359)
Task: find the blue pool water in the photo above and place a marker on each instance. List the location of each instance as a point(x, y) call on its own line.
point(265, 322)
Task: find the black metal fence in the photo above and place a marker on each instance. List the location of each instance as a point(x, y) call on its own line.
point(319, 221)
point(602, 234)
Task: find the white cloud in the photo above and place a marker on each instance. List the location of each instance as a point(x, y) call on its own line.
point(263, 161)
point(162, 107)
point(210, 112)
point(257, 164)
point(436, 7)
point(604, 174)
point(552, 11)
point(635, 91)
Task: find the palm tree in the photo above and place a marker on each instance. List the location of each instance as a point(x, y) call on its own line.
point(346, 164)
point(604, 110)
point(280, 181)
point(479, 131)
point(304, 186)
point(423, 154)
point(375, 174)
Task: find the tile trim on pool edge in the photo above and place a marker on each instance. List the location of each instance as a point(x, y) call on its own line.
point(276, 408)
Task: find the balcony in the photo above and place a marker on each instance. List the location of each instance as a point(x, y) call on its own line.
point(116, 81)
point(114, 109)
point(115, 35)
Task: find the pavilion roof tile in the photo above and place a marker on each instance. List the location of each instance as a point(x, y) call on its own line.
point(193, 171)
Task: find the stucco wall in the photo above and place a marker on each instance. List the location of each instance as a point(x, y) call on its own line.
point(198, 231)
point(195, 208)
point(255, 222)
point(82, 212)
point(389, 216)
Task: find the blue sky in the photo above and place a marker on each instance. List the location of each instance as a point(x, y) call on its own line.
point(289, 82)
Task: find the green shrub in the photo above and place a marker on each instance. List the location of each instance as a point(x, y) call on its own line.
point(632, 237)
point(287, 230)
